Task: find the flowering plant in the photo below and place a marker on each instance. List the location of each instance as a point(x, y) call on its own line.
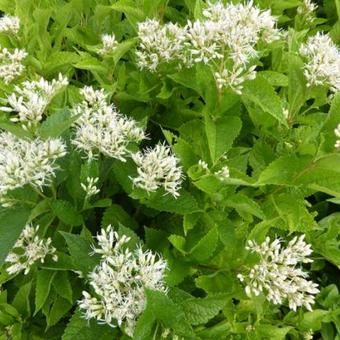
point(169, 169)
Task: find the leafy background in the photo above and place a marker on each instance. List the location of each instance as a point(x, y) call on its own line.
point(284, 177)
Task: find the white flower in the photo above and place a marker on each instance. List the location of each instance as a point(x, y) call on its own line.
point(11, 63)
point(235, 78)
point(307, 9)
point(30, 99)
point(203, 165)
point(337, 134)
point(102, 129)
point(158, 167)
point(159, 43)
point(223, 173)
point(29, 249)
point(9, 24)
point(90, 186)
point(27, 162)
point(278, 276)
point(118, 282)
point(203, 41)
point(109, 44)
point(226, 39)
point(322, 65)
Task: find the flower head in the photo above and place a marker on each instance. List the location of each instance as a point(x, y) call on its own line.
point(158, 167)
point(30, 100)
point(118, 282)
point(27, 162)
point(226, 39)
point(109, 44)
point(159, 43)
point(9, 24)
point(322, 65)
point(278, 276)
point(100, 128)
point(11, 63)
point(337, 134)
point(29, 249)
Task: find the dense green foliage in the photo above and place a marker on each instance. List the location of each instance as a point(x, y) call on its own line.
point(284, 177)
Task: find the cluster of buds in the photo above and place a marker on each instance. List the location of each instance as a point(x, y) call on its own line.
point(119, 281)
point(158, 167)
point(100, 128)
point(28, 250)
point(278, 276)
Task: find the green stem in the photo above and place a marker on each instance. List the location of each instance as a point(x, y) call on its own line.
point(337, 5)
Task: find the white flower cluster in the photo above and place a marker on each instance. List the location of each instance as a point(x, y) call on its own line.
point(221, 174)
point(26, 162)
point(159, 43)
point(337, 134)
point(307, 9)
point(109, 43)
point(226, 39)
point(158, 167)
point(119, 281)
point(323, 62)
point(277, 274)
point(29, 249)
point(90, 187)
point(9, 24)
point(11, 63)
point(100, 128)
point(30, 100)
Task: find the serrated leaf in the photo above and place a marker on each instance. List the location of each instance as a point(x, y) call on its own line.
point(61, 284)
point(58, 310)
point(56, 124)
point(12, 222)
point(79, 249)
point(67, 213)
point(42, 288)
point(81, 329)
point(166, 311)
point(184, 204)
point(262, 94)
point(122, 49)
point(201, 310)
point(284, 170)
point(115, 215)
point(244, 204)
point(206, 246)
point(221, 133)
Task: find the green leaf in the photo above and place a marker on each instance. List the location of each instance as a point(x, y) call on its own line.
point(81, 329)
point(128, 8)
point(116, 215)
point(201, 310)
point(206, 246)
point(59, 309)
point(122, 49)
point(61, 284)
point(15, 130)
point(166, 311)
point(145, 325)
point(12, 222)
point(67, 213)
point(284, 170)
point(42, 288)
point(262, 94)
point(312, 320)
point(56, 124)
point(221, 133)
point(79, 249)
point(243, 203)
point(297, 84)
point(184, 204)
